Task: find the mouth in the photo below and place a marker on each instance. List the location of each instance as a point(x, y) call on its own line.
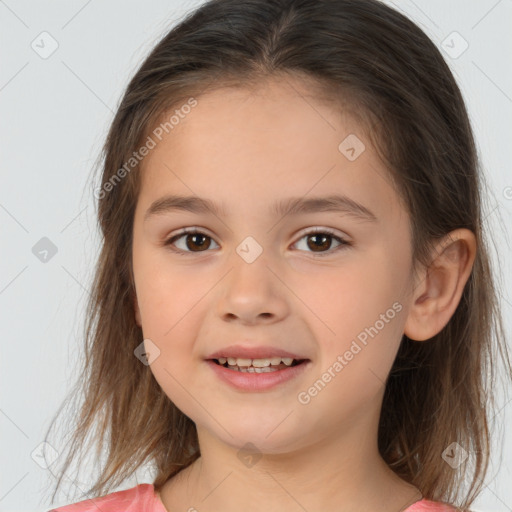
point(263, 365)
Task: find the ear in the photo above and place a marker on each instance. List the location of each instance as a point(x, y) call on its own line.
point(136, 309)
point(439, 288)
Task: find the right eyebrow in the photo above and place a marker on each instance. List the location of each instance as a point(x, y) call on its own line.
point(290, 206)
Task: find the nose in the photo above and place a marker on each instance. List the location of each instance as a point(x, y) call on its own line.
point(252, 293)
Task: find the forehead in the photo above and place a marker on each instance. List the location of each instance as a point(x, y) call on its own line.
point(269, 141)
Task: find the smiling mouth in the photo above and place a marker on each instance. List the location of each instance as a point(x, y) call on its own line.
point(258, 365)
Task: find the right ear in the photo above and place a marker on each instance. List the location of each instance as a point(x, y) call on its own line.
point(137, 310)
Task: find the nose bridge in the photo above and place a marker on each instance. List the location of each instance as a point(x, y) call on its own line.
point(252, 290)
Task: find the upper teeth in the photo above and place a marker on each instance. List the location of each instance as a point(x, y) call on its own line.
point(257, 363)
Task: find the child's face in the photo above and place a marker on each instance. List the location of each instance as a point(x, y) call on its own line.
point(246, 151)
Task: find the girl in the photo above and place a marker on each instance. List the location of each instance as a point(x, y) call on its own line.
point(294, 306)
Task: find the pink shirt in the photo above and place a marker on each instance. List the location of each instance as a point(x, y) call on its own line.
point(142, 498)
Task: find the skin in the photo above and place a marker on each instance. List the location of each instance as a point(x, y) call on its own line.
point(246, 149)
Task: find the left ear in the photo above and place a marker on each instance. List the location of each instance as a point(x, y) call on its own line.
point(437, 295)
point(136, 309)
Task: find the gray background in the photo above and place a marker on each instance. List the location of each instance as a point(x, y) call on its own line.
point(55, 113)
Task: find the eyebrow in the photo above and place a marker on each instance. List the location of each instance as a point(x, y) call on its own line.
point(290, 206)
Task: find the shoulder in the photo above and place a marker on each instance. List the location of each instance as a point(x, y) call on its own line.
point(140, 498)
point(425, 505)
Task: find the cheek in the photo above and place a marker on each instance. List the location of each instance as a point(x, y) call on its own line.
point(166, 293)
point(172, 321)
point(358, 313)
point(171, 310)
point(344, 298)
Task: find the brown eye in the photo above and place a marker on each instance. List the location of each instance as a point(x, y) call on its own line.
point(195, 241)
point(320, 241)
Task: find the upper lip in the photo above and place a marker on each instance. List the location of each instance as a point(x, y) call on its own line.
point(254, 352)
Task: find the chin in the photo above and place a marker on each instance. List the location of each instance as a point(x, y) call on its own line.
point(269, 437)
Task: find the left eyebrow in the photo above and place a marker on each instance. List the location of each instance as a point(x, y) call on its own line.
point(290, 206)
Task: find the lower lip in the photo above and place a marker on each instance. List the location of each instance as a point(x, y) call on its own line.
point(257, 381)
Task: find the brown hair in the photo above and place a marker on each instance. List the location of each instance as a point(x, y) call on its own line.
point(370, 55)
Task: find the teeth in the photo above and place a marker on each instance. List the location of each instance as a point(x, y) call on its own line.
point(252, 369)
point(255, 363)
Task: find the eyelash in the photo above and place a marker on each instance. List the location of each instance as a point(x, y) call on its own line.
point(192, 231)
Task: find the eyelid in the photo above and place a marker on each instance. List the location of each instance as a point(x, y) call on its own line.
point(342, 239)
point(170, 240)
point(320, 229)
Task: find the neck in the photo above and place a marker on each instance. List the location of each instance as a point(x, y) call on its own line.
point(337, 473)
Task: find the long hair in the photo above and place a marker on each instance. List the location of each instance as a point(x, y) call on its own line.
point(356, 52)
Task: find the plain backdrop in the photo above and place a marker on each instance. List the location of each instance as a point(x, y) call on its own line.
point(57, 98)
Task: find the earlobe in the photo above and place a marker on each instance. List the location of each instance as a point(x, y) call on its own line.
point(438, 293)
point(138, 319)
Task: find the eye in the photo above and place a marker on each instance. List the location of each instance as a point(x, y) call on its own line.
point(194, 239)
point(322, 239)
